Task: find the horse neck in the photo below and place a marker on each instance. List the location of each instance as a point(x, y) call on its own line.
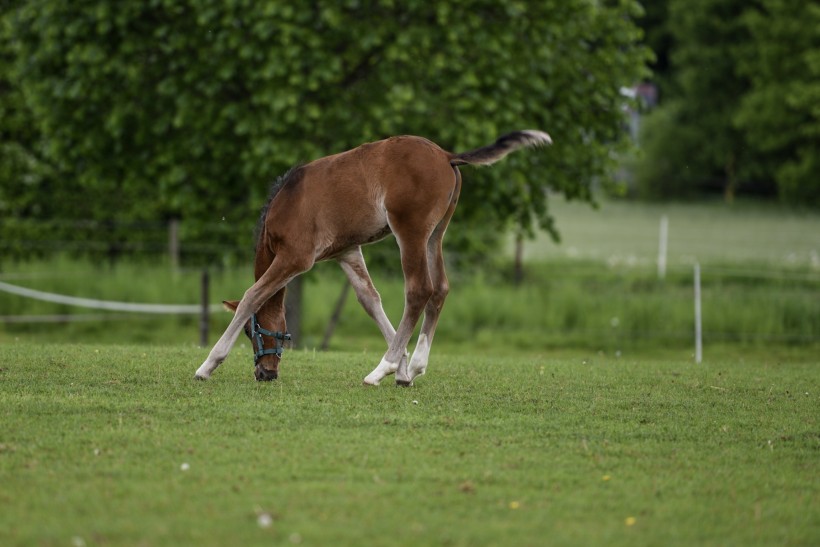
point(271, 315)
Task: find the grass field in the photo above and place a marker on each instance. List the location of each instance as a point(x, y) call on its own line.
point(598, 290)
point(117, 445)
point(566, 411)
point(746, 235)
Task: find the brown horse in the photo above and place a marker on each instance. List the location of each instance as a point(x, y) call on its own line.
point(328, 209)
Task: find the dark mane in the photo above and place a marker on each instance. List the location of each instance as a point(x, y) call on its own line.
point(292, 177)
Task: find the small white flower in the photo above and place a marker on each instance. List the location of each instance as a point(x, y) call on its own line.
point(184, 467)
point(264, 520)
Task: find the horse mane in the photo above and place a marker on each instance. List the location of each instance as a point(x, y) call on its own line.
point(291, 177)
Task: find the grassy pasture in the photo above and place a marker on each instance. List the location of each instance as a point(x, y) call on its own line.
point(748, 236)
point(597, 291)
point(482, 451)
point(564, 304)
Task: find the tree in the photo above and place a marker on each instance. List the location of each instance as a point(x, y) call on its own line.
point(780, 113)
point(739, 105)
point(183, 109)
point(692, 141)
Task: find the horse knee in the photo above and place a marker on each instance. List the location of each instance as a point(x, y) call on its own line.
point(441, 291)
point(369, 297)
point(418, 294)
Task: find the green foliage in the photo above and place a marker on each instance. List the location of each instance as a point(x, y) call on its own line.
point(740, 101)
point(780, 113)
point(169, 109)
point(22, 166)
point(669, 163)
point(693, 143)
point(503, 451)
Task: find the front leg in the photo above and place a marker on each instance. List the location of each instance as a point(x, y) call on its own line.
point(223, 347)
point(355, 269)
point(278, 274)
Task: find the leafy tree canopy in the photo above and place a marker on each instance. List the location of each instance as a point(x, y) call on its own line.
point(739, 108)
point(780, 113)
point(189, 109)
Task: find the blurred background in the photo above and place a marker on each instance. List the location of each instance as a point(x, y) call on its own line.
point(138, 141)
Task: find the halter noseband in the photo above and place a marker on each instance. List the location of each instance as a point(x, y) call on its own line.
point(257, 332)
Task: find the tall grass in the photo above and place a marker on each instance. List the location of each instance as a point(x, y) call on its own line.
point(597, 291)
point(592, 306)
point(562, 304)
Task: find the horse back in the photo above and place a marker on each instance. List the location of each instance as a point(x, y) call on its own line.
point(352, 198)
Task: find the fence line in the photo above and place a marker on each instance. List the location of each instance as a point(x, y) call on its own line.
point(107, 305)
point(65, 318)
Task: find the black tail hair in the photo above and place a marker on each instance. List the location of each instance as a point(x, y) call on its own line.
point(487, 155)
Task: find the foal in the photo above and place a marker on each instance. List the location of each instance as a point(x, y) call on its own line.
point(328, 209)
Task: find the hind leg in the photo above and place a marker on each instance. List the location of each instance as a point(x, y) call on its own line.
point(432, 312)
point(417, 291)
point(441, 287)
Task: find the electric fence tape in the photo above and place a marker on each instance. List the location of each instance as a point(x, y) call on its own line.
point(106, 304)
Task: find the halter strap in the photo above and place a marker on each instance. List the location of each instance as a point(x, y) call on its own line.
point(257, 332)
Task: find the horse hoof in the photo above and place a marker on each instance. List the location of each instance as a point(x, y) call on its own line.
point(404, 383)
point(200, 378)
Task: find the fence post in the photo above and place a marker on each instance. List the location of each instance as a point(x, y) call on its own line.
point(173, 243)
point(334, 317)
point(518, 267)
point(662, 241)
point(698, 326)
point(204, 317)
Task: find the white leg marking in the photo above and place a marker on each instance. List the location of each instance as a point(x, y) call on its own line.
point(204, 371)
point(385, 368)
point(220, 350)
point(418, 364)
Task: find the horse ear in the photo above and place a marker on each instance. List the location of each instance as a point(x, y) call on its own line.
point(230, 305)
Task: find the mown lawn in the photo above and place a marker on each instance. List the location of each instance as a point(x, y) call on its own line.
point(117, 445)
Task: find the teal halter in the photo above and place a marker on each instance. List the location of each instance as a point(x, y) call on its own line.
point(257, 332)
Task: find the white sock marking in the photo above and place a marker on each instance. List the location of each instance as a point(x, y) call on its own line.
point(418, 364)
point(385, 367)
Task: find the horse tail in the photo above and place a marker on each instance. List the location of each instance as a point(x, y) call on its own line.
point(487, 155)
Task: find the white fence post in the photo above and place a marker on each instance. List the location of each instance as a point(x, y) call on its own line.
point(662, 241)
point(698, 326)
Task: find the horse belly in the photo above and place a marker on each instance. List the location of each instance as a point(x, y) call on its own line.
point(350, 231)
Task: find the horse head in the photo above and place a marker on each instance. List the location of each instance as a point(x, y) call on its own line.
point(267, 342)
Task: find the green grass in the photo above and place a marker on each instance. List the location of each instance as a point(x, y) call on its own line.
point(563, 304)
point(496, 451)
point(597, 291)
point(748, 235)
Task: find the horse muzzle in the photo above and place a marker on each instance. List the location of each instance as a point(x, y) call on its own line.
point(265, 375)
